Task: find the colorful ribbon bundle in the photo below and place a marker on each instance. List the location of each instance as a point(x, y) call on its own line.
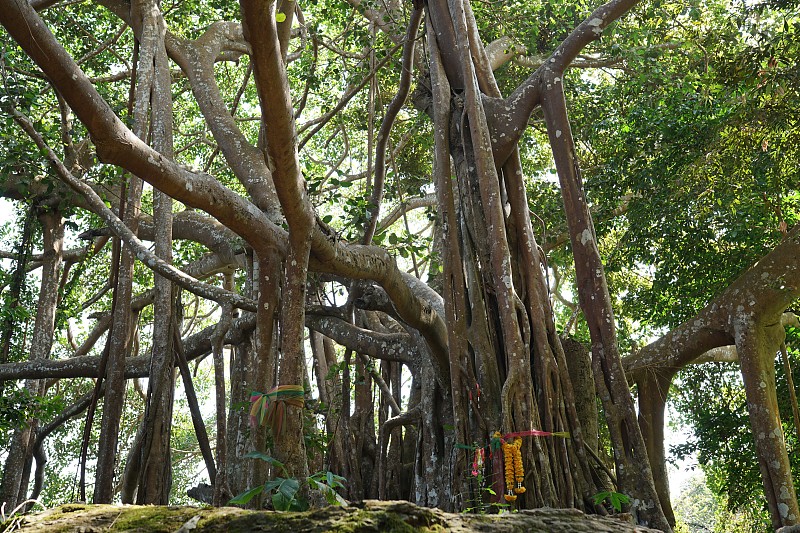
point(271, 407)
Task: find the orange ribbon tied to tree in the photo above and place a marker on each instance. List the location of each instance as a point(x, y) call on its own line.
point(270, 407)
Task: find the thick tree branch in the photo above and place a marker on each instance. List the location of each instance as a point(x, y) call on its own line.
point(407, 206)
point(86, 366)
point(386, 346)
point(505, 49)
point(765, 291)
point(196, 59)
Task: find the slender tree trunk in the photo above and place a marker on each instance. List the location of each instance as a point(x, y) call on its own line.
point(629, 448)
point(330, 389)
point(156, 472)
point(267, 273)
point(14, 487)
point(653, 391)
point(238, 427)
point(222, 491)
point(290, 443)
point(366, 445)
point(243, 371)
point(121, 329)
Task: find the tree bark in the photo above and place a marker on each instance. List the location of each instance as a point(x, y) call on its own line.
point(653, 389)
point(281, 143)
point(14, 487)
point(155, 479)
point(629, 448)
point(757, 344)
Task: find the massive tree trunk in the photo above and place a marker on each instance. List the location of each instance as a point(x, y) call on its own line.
point(268, 38)
point(515, 348)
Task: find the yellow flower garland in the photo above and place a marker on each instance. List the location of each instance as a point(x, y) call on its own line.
point(519, 472)
point(514, 472)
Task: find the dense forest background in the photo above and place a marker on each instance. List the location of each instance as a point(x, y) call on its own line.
point(306, 251)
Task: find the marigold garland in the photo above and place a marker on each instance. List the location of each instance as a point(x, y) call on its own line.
point(519, 472)
point(511, 444)
point(514, 471)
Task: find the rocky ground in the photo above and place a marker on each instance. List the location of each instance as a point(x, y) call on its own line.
point(368, 516)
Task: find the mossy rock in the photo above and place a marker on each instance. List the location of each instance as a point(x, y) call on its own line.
point(365, 517)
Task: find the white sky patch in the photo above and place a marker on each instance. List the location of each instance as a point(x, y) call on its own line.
point(680, 472)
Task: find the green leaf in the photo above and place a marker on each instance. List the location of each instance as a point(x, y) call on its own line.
point(246, 496)
point(284, 498)
point(280, 17)
point(617, 499)
point(280, 502)
point(264, 457)
point(273, 484)
point(289, 488)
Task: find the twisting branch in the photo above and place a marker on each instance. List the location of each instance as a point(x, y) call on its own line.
point(196, 59)
point(116, 144)
point(142, 252)
point(374, 206)
point(502, 50)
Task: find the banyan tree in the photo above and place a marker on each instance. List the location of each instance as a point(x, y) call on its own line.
point(314, 294)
